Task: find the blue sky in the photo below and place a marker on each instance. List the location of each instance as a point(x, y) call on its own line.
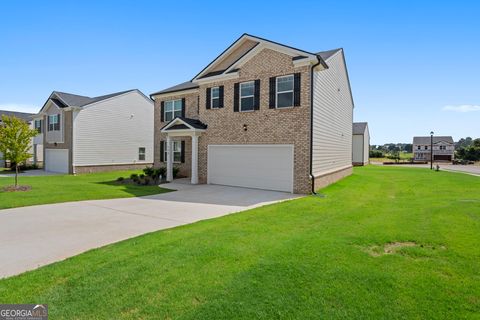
point(414, 66)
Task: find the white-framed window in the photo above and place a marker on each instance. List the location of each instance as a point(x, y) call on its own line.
point(215, 97)
point(247, 96)
point(284, 90)
point(426, 147)
point(173, 108)
point(419, 147)
point(443, 147)
point(141, 153)
point(38, 125)
point(54, 122)
point(177, 151)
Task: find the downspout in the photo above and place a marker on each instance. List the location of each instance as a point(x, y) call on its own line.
point(319, 61)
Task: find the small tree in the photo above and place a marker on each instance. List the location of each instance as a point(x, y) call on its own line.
point(15, 141)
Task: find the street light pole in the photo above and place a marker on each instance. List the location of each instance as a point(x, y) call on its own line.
point(431, 150)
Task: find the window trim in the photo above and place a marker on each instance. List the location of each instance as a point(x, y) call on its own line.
point(53, 124)
point(211, 98)
point(249, 96)
point(173, 109)
point(173, 148)
point(144, 153)
point(287, 91)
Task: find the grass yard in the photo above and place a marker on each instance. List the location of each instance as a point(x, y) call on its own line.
point(404, 156)
point(63, 188)
point(384, 243)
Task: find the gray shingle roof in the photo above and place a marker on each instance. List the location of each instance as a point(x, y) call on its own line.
point(197, 124)
point(74, 100)
point(426, 140)
point(179, 87)
point(359, 127)
point(21, 115)
point(327, 54)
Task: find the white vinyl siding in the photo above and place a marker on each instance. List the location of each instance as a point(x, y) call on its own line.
point(112, 131)
point(332, 118)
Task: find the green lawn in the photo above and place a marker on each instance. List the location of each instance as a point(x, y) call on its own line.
point(311, 258)
point(62, 188)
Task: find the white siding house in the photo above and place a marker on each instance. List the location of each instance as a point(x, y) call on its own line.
point(110, 132)
point(361, 144)
point(332, 118)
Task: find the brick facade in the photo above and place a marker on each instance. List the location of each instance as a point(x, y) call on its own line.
point(264, 126)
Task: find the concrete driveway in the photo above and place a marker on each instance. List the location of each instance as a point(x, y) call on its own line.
point(38, 235)
point(29, 173)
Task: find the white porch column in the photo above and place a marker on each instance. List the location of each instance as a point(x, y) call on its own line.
point(194, 159)
point(169, 159)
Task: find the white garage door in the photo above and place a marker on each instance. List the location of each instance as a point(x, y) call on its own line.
point(56, 160)
point(253, 166)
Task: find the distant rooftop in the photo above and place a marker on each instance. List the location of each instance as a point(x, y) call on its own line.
point(21, 115)
point(426, 139)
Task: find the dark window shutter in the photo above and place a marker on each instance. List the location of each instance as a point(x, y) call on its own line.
point(236, 96)
point(162, 151)
point(273, 92)
point(183, 107)
point(182, 152)
point(257, 95)
point(57, 125)
point(162, 111)
point(296, 89)
point(208, 99)
point(220, 93)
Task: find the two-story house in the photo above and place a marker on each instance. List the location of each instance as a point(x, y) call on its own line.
point(37, 154)
point(260, 115)
point(443, 148)
point(90, 134)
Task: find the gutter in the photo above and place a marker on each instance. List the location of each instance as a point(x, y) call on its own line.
point(322, 62)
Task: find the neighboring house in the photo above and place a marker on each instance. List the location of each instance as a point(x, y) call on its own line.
point(27, 117)
point(83, 134)
point(361, 144)
point(261, 115)
point(443, 148)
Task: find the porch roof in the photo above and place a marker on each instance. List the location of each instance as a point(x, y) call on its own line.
point(182, 123)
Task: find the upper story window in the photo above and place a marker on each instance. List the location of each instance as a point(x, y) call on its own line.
point(215, 97)
point(284, 91)
point(419, 147)
point(426, 147)
point(173, 108)
point(443, 147)
point(54, 122)
point(141, 153)
point(247, 96)
point(38, 125)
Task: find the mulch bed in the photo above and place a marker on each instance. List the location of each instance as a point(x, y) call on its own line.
point(17, 188)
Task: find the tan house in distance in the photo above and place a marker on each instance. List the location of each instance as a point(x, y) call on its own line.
point(443, 148)
point(361, 144)
point(260, 115)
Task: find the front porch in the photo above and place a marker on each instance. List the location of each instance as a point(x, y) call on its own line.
point(183, 127)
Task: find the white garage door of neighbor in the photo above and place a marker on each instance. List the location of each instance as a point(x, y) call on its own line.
point(56, 160)
point(253, 166)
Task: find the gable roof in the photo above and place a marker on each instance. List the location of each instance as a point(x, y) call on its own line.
point(20, 115)
point(65, 100)
point(184, 123)
point(359, 127)
point(436, 139)
point(232, 68)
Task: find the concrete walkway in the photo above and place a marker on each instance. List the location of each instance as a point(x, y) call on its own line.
point(468, 169)
point(38, 235)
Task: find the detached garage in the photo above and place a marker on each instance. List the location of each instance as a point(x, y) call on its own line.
point(252, 166)
point(56, 160)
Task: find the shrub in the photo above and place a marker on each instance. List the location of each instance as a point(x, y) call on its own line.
point(376, 154)
point(175, 172)
point(162, 171)
point(120, 179)
point(147, 180)
point(141, 176)
point(134, 176)
point(149, 171)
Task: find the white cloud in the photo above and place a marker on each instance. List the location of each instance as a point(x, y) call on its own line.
point(19, 107)
point(462, 108)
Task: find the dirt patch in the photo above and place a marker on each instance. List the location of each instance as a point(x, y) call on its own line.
point(394, 247)
point(17, 188)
